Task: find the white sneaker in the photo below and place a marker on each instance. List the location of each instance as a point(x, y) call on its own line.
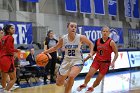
point(5, 91)
point(41, 80)
point(81, 87)
point(14, 87)
point(0, 86)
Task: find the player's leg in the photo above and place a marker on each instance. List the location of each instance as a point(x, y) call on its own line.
point(3, 79)
point(63, 72)
point(91, 72)
point(75, 70)
point(93, 69)
point(96, 83)
point(5, 68)
point(12, 81)
point(102, 71)
point(60, 79)
point(98, 80)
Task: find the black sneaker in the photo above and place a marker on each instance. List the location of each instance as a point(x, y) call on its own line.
point(53, 80)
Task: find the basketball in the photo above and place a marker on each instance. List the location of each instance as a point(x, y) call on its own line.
point(42, 60)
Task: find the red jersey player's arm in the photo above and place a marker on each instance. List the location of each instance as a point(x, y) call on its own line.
point(85, 59)
point(115, 50)
point(10, 45)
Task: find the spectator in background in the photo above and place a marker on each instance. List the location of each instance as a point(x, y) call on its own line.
point(50, 41)
point(31, 57)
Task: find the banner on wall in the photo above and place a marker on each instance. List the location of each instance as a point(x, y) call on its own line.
point(112, 7)
point(94, 32)
point(31, 1)
point(134, 35)
point(70, 5)
point(135, 7)
point(99, 7)
point(134, 58)
point(23, 32)
point(85, 6)
point(128, 8)
point(122, 60)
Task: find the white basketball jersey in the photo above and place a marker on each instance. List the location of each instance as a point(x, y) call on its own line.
point(72, 48)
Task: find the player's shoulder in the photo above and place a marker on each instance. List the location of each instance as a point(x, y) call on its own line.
point(82, 36)
point(7, 37)
point(64, 36)
point(112, 42)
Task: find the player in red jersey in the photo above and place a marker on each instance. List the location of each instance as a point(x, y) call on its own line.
point(1, 35)
point(103, 48)
point(7, 58)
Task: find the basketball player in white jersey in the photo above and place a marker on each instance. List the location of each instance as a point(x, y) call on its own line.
point(73, 62)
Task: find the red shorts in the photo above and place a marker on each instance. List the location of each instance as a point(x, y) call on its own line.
point(7, 64)
point(102, 66)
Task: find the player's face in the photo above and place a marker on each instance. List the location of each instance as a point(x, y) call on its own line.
point(32, 51)
point(105, 32)
point(72, 27)
point(12, 30)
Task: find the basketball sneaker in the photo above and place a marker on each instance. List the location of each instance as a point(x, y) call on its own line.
point(5, 91)
point(81, 87)
point(90, 90)
point(14, 87)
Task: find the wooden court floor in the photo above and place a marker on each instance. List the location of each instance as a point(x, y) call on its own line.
point(116, 83)
point(52, 88)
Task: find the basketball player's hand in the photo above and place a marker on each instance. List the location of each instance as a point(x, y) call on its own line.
point(50, 57)
point(90, 54)
point(18, 50)
point(112, 65)
point(15, 55)
point(43, 53)
point(85, 59)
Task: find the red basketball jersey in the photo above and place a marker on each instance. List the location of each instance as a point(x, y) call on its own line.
point(104, 50)
point(7, 45)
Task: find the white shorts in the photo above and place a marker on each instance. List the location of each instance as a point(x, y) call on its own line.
point(68, 63)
